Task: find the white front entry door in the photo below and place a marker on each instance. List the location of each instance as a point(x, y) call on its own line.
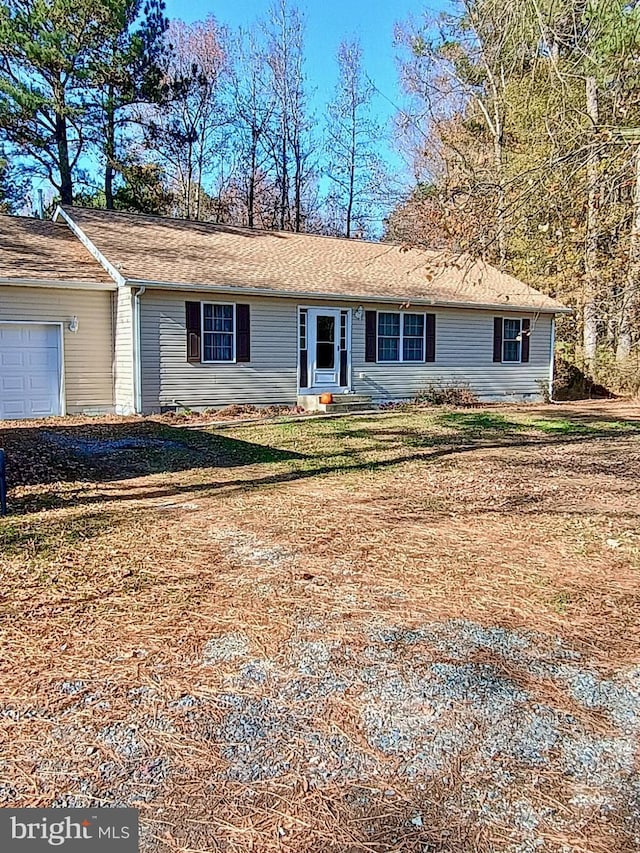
point(30, 370)
point(324, 334)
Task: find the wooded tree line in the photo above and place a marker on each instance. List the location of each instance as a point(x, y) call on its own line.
point(118, 107)
point(525, 130)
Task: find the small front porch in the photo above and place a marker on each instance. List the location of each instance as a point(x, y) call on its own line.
point(340, 403)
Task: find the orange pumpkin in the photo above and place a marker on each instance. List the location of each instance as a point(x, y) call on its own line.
point(325, 399)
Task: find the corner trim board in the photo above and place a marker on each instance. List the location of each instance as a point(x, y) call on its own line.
point(92, 249)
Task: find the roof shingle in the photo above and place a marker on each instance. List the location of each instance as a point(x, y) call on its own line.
point(156, 249)
point(40, 250)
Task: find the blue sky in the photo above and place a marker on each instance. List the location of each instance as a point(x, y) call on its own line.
point(328, 22)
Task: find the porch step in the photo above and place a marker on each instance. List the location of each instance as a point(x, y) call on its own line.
point(352, 398)
point(342, 403)
point(343, 408)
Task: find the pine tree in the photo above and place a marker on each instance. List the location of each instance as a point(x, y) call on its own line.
point(47, 51)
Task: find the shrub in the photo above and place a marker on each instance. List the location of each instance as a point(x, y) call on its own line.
point(571, 383)
point(449, 394)
point(622, 377)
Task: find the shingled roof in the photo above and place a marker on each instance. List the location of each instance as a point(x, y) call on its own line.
point(37, 250)
point(162, 251)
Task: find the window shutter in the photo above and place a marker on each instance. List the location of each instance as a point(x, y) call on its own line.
point(430, 354)
point(344, 356)
point(304, 375)
point(194, 332)
point(526, 339)
point(371, 336)
point(497, 338)
point(243, 333)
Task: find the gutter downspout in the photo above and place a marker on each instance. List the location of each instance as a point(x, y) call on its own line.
point(137, 350)
point(552, 358)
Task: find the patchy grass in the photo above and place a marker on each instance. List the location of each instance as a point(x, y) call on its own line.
point(412, 631)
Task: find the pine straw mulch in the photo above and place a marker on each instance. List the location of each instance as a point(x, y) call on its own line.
point(113, 591)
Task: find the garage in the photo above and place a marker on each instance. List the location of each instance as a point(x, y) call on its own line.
point(30, 370)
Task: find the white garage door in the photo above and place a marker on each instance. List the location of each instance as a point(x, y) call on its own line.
point(29, 370)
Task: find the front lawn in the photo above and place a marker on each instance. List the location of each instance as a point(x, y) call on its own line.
point(413, 631)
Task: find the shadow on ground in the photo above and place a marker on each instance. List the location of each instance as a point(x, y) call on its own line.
point(101, 452)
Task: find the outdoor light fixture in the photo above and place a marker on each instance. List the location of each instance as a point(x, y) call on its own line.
point(358, 312)
point(73, 324)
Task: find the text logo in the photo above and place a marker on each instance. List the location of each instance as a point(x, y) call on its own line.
point(70, 830)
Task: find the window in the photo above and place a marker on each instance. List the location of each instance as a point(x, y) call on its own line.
point(511, 340)
point(413, 337)
point(218, 332)
point(325, 342)
point(401, 336)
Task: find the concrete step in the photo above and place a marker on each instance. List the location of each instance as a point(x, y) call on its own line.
point(351, 398)
point(343, 408)
point(341, 403)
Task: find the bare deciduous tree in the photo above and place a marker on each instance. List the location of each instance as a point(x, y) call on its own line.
point(185, 134)
point(353, 165)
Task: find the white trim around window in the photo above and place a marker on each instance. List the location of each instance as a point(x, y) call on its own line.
point(206, 332)
point(401, 337)
point(515, 338)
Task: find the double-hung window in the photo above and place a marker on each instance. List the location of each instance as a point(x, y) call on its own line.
point(401, 336)
point(218, 332)
point(511, 340)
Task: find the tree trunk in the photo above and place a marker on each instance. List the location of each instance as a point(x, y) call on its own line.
point(297, 200)
point(589, 305)
point(352, 172)
point(62, 144)
point(110, 150)
point(499, 163)
point(630, 289)
point(187, 214)
point(201, 147)
point(284, 194)
point(251, 200)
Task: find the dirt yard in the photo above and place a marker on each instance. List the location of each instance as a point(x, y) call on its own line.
point(412, 631)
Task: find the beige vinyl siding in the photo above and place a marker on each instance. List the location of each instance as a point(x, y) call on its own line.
point(123, 351)
point(169, 380)
point(464, 353)
point(88, 380)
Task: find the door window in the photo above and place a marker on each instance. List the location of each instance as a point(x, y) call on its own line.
point(325, 342)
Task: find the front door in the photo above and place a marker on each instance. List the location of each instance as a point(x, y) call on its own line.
point(325, 335)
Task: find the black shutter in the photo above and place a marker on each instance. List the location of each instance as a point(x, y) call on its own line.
point(371, 336)
point(304, 376)
point(243, 333)
point(430, 354)
point(343, 368)
point(526, 338)
point(194, 332)
point(497, 338)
